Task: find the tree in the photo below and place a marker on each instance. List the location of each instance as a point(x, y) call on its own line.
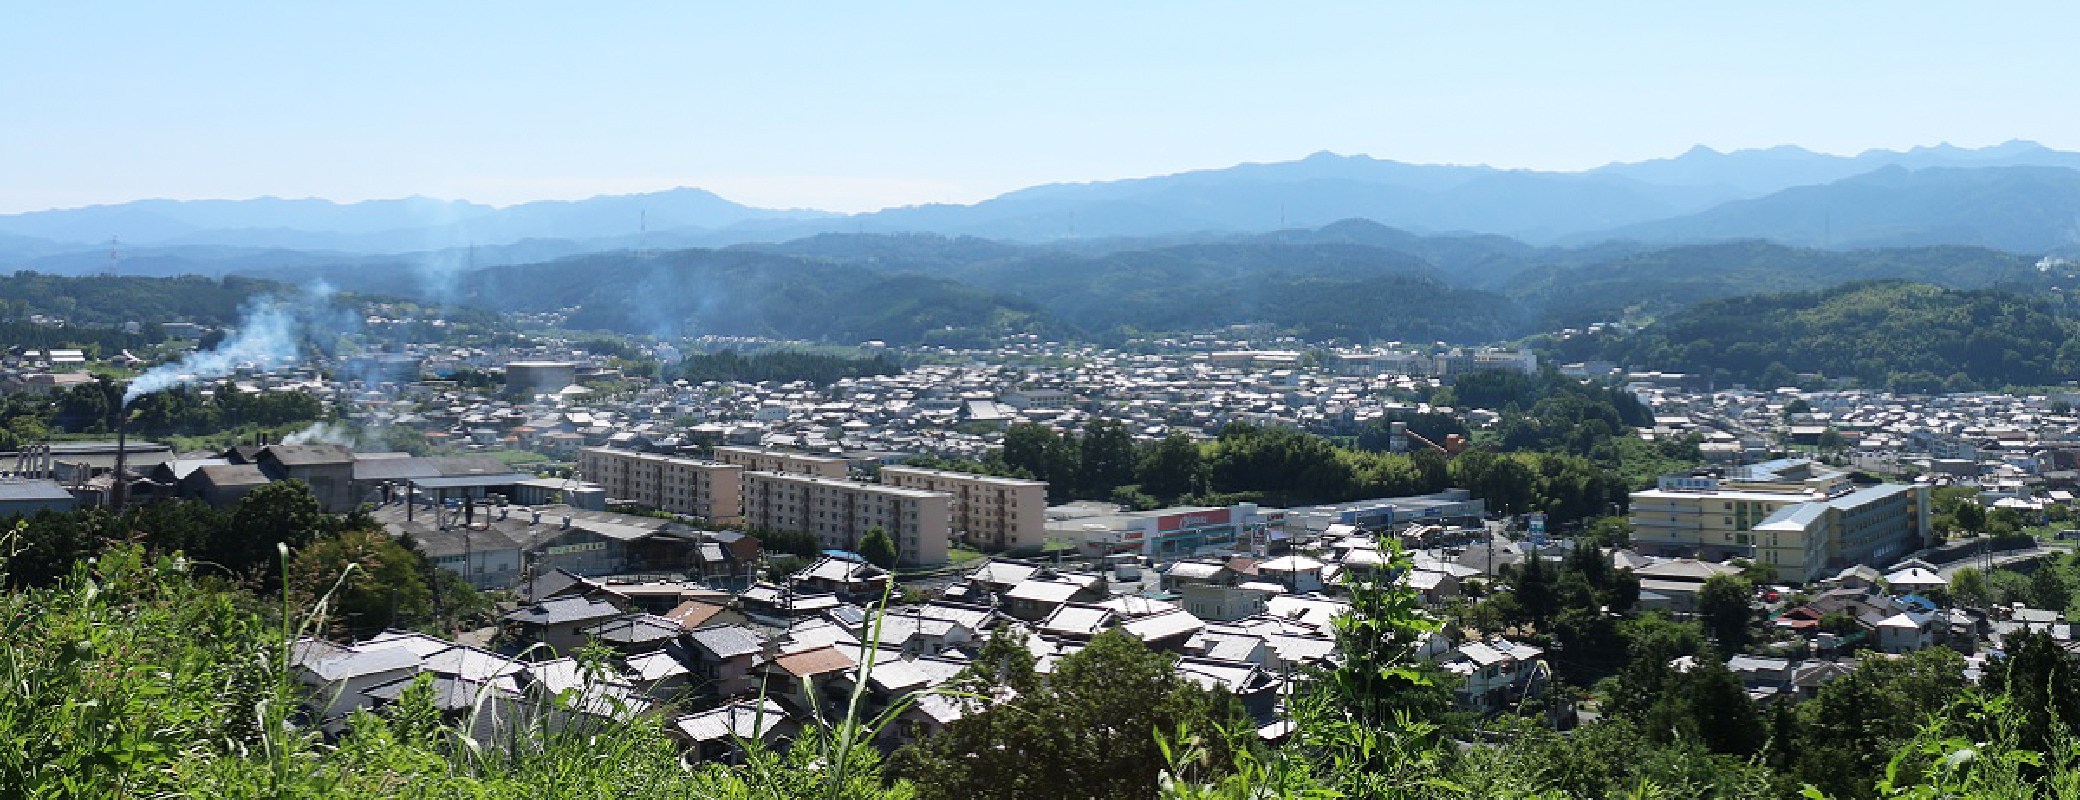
point(1105, 457)
point(282, 512)
point(1535, 588)
point(1707, 703)
point(1725, 610)
point(1611, 532)
point(1504, 482)
point(1622, 594)
point(1970, 516)
point(1652, 642)
point(1173, 468)
point(2047, 589)
point(1038, 451)
point(2040, 677)
point(1297, 466)
point(1847, 733)
point(878, 548)
point(1371, 682)
point(1089, 731)
point(386, 583)
point(1968, 586)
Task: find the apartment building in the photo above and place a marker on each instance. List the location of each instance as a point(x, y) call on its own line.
point(840, 512)
point(763, 460)
point(711, 490)
point(988, 511)
point(1801, 517)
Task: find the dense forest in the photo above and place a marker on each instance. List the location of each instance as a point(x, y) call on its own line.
point(116, 300)
point(217, 411)
point(1354, 281)
point(1646, 285)
point(1890, 335)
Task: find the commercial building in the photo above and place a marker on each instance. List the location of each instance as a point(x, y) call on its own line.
point(764, 460)
point(1803, 518)
point(1448, 506)
point(540, 377)
point(1164, 532)
point(988, 511)
point(711, 490)
point(840, 512)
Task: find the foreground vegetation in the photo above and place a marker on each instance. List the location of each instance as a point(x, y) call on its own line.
point(141, 673)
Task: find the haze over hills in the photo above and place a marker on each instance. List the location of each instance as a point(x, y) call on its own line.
point(1691, 197)
point(2018, 208)
point(1329, 246)
point(384, 226)
point(1355, 280)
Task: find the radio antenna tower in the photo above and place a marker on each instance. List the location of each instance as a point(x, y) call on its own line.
point(113, 244)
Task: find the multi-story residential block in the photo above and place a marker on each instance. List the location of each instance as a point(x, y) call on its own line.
point(711, 490)
point(1801, 517)
point(840, 512)
point(988, 511)
point(764, 460)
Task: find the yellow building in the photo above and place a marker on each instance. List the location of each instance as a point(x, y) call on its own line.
point(710, 490)
point(840, 512)
point(988, 511)
point(764, 460)
point(1801, 517)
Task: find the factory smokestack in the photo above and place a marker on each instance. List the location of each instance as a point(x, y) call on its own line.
point(119, 487)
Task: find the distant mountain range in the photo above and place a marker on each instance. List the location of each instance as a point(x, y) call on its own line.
point(2021, 209)
point(381, 226)
point(2017, 196)
point(1330, 246)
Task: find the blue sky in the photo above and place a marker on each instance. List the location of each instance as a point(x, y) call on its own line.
point(853, 106)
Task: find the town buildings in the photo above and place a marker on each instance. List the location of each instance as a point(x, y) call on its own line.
point(841, 512)
point(988, 512)
point(1801, 517)
point(711, 490)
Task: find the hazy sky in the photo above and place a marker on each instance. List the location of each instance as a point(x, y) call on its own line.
point(852, 106)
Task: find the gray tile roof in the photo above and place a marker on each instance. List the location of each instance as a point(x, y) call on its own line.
point(356, 664)
point(562, 610)
point(726, 641)
point(32, 490)
point(742, 720)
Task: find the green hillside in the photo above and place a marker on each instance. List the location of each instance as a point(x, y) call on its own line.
point(1896, 335)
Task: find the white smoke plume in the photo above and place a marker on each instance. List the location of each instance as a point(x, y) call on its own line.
point(269, 335)
point(321, 433)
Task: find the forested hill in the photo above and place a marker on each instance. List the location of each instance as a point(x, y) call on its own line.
point(1321, 290)
point(695, 292)
point(1353, 280)
point(1893, 335)
point(1654, 282)
point(116, 300)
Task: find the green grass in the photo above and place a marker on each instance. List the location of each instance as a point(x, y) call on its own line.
point(113, 372)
